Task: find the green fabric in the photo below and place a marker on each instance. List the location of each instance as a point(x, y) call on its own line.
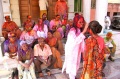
point(77, 5)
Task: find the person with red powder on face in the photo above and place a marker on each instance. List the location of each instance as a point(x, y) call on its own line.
point(74, 47)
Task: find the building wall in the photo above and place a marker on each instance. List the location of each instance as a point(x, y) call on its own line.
point(1, 18)
point(113, 1)
point(6, 7)
point(70, 9)
point(14, 6)
point(113, 7)
point(11, 8)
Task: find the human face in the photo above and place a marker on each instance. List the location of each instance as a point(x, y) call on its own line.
point(109, 36)
point(40, 21)
point(89, 31)
point(28, 28)
point(41, 41)
point(24, 47)
point(80, 23)
point(7, 18)
point(57, 18)
point(70, 23)
point(44, 16)
point(29, 18)
point(12, 38)
point(49, 35)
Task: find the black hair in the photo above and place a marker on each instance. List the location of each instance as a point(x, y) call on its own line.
point(57, 15)
point(28, 16)
point(50, 31)
point(95, 27)
point(76, 14)
point(43, 14)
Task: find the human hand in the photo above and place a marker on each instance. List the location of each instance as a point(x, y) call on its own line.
point(26, 66)
point(85, 29)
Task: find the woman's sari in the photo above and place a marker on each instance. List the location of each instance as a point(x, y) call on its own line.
point(93, 58)
point(56, 54)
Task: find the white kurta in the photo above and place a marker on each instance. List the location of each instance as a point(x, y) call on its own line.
point(73, 48)
point(43, 4)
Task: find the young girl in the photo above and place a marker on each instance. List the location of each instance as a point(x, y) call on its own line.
point(94, 53)
point(73, 47)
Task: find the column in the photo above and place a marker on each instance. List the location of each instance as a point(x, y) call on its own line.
point(86, 10)
point(101, 11)
point(1, 23)
point(70, 9)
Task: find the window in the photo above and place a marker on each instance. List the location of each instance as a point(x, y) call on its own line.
point(77, 5)
point(115, 13)
point(93, 4)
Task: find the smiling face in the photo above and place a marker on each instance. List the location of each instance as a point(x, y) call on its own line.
point(80, 23)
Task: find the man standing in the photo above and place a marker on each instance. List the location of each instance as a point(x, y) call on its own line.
point(43, 4)
point(61, 8)
point(107, 22)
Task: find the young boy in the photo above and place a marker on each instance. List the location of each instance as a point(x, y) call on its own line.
point(110, 44)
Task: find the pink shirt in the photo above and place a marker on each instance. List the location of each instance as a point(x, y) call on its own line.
point(45, 29)
point(28, 37)
point(44, 54)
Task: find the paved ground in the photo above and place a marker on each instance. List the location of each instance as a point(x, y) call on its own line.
point(112, 71)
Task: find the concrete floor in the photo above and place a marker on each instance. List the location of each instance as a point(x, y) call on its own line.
point(112, 71)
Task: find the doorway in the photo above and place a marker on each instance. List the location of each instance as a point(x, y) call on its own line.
point(29, 7)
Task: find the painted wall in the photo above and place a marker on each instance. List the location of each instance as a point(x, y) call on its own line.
point(113, 1)
point(14, 7)
point(113, 7)
point(1, 18)
point(6, 7)
point(70, 9)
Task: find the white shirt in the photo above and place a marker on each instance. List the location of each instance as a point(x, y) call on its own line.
point(107, 22)
point(43, 4)
point(45, 29)
point(44, 54)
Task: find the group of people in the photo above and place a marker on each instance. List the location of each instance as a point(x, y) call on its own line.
point(93, 49)
point(41, 43)
point(33, 46)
